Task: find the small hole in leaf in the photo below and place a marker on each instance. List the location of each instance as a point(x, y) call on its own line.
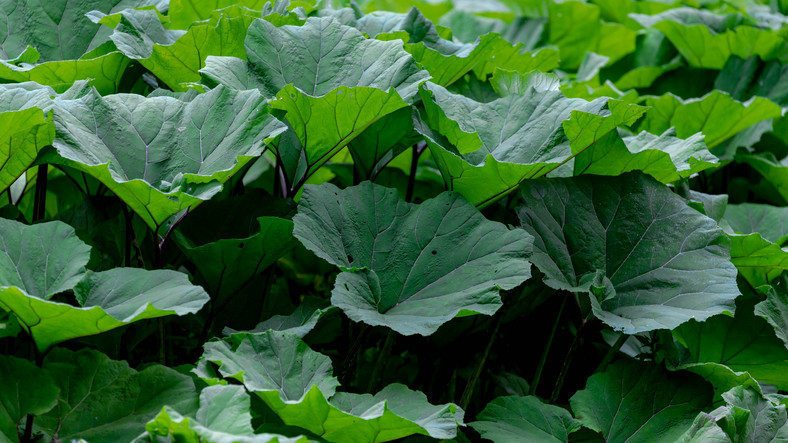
point(292, 95)
point(346, 288)
point(241, 245)
point(350, 259)
point(434, 252)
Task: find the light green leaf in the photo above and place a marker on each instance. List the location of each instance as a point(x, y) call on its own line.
point(223, 417)
point(634, 246)
point(485, 149)
point(758, 233)
point(300, 322)
point(637, 401)
point(27, 390)
point(410, 267)
point(184, 13)
point(175, 57)
point(707, 40)
point(162, 155)
point(41, 260)
point(273, 361)
point(775, 308)
point(507, 419)
point(716, 115)
point(103, 400)
point(26, 133)
point(773, 171)
point(664, 157)
point(108, 300)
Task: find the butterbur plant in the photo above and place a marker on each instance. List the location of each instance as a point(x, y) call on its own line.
point(367, 221)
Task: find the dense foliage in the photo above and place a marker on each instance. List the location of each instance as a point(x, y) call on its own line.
point(513, 220)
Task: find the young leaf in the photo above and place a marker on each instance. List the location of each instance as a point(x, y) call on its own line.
point(103, 400)
point(410, 267)
point(512, 418)
point(637, 401)
point(27, 390)
point(634, 246)
point(163, 155)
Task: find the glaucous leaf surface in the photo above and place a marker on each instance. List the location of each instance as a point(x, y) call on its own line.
point(103, 400)
point(775, 308)
point(511, 418)
point(162, 155)
point(632, 245)
point(410, 267)
point(107, 300)
point(27, 389)
point(638, 401)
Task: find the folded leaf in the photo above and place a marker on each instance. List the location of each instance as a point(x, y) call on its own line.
point(638, 401)
point(108, 300)
point(634, 246)
point(302, 321)
point(163, 155)
point(716, 115)
point(775, 308)
point(410, 267)
point(223, 417)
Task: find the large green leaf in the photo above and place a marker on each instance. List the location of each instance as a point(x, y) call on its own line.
point(103, 400)
point(485, 149)
point(321, 68)
point(634, 246)
point(175, 57)
point(716, 115)
point(272, 361)
point(448, 61)
point(295, 382)
point(775, 308)
point(635, 401)
point(26, 390)
point(513, 418)
point(707, 40)
point(107, 300)
point(40, 260)
point(410, 267)
point(223, 417)
point(47, 43)
point(758, 234)
point(747, 416)
point(26, 132)
point(773, 170)
point(300, 322)
point(183, 13)
point(664, 157)
point(743, 343)
point(162, 155)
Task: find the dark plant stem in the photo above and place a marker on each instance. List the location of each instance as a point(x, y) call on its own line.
point(39, 205)
point(27, 436)
point(352, 354)
point(543, 358)
point(611, 353)
point(385, 352)
point(129, 237)
point(465, 400)
point(568, 360)
point(277, 183)
point(418, 148)
point(162, 343)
